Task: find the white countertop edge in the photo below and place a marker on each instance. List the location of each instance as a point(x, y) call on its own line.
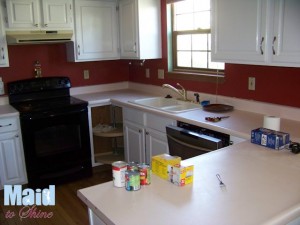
point(285, 217)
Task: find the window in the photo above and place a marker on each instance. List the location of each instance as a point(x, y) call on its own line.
point(191, 38)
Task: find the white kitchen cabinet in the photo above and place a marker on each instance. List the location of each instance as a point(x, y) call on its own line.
point(96, 30)
point(286, 34)
point(259, 32)
point(140, 29)
point(144, 135)
point(4, 62)
point(12, 164)
point(39, 14)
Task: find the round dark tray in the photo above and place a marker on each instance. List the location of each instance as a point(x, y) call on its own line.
point(217, 108)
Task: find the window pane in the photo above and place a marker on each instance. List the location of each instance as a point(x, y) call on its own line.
point(199, 42)
point(202, 20)
point(184, 59)
point(202, 5)
point(184, 42)
point(209, 41)
point(199, 60)
point(184, 22)
point(215, 65)
point(184, 7)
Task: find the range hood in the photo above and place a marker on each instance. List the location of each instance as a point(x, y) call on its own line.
point(38, 37)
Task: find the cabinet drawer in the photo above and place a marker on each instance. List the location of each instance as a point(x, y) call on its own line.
point(133, 115)
point(8, 124)
point(158, 123)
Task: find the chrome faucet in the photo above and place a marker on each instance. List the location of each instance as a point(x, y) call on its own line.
point(181, 92)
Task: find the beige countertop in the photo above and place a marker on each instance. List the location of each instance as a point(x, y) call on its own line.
point(262, 187)
point(8, 110)
point(239, 124)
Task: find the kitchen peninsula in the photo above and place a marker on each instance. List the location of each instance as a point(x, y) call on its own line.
point(262, 187)
point(261, 184)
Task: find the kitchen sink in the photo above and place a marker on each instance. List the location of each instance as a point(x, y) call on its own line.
point(167, 104)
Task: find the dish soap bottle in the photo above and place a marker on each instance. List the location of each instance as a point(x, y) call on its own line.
point(1, 87)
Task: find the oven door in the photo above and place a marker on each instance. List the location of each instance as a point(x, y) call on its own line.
point(187, 144)
point(56, 145)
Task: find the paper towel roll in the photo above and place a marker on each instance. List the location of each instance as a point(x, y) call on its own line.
point(272, 122)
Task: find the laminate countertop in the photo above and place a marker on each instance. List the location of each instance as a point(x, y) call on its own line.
point(262, 188)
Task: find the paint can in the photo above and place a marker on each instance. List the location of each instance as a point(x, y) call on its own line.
point(132, 180)
point(118, 171)
point(145, 174)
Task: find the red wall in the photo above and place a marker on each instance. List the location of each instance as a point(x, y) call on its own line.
point(277, 85)
point(54, 63)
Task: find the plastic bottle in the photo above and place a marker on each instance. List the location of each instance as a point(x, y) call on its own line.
point(1, 87)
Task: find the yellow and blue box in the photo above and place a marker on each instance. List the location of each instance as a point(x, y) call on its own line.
point(270, 138)
point(180, 175)
point(160, 164)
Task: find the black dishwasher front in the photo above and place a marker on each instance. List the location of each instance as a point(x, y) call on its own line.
point(187, 140)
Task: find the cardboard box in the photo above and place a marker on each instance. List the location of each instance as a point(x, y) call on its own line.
point(270, 138)
point(180, 175)
point(160, 164)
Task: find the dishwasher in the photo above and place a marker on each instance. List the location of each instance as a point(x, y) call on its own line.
point(187, 140)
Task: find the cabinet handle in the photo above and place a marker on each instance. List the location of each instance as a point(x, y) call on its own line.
point(3, 54)
point(16, 136)
point(147, 132)
point(261, 43)
point(46, 25)
point(140, 131)
point(78, 49)
point(36, 25)
point(134, 47)
point(273, 47)
point(7, 125)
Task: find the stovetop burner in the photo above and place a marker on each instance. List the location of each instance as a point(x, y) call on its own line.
point(43, 95)
point(34, 106)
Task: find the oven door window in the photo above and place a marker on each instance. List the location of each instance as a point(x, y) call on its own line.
point(57, 139)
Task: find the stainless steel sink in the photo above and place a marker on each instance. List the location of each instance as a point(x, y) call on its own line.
point(167, 104)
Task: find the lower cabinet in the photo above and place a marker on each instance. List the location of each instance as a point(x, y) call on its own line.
point(144, 135)
point(12, 167)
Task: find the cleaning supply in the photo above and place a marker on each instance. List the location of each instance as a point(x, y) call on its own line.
point(1, 87)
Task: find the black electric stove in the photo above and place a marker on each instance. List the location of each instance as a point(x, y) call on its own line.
point(55, 130)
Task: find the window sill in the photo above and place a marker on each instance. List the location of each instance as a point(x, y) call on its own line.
point(212, 78)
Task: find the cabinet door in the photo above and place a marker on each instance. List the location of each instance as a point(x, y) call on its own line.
point(156, 144)
point(128, 28)
point(238, 31)
point(23, 13)
point(285, 43)
point(3, 45)
point(11, 161)
point(57, 13)
point(134, 138)
point(96, 30)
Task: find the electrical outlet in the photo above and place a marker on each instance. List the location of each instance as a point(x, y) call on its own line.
point(147, 73)
point(251, 83)
point(161, 74)
point(86, 74)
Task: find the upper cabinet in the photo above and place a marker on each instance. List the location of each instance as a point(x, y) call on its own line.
point(140, 29)
point(260, 32)
point(3, 44)
point(96, 31)
point(39, 14)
